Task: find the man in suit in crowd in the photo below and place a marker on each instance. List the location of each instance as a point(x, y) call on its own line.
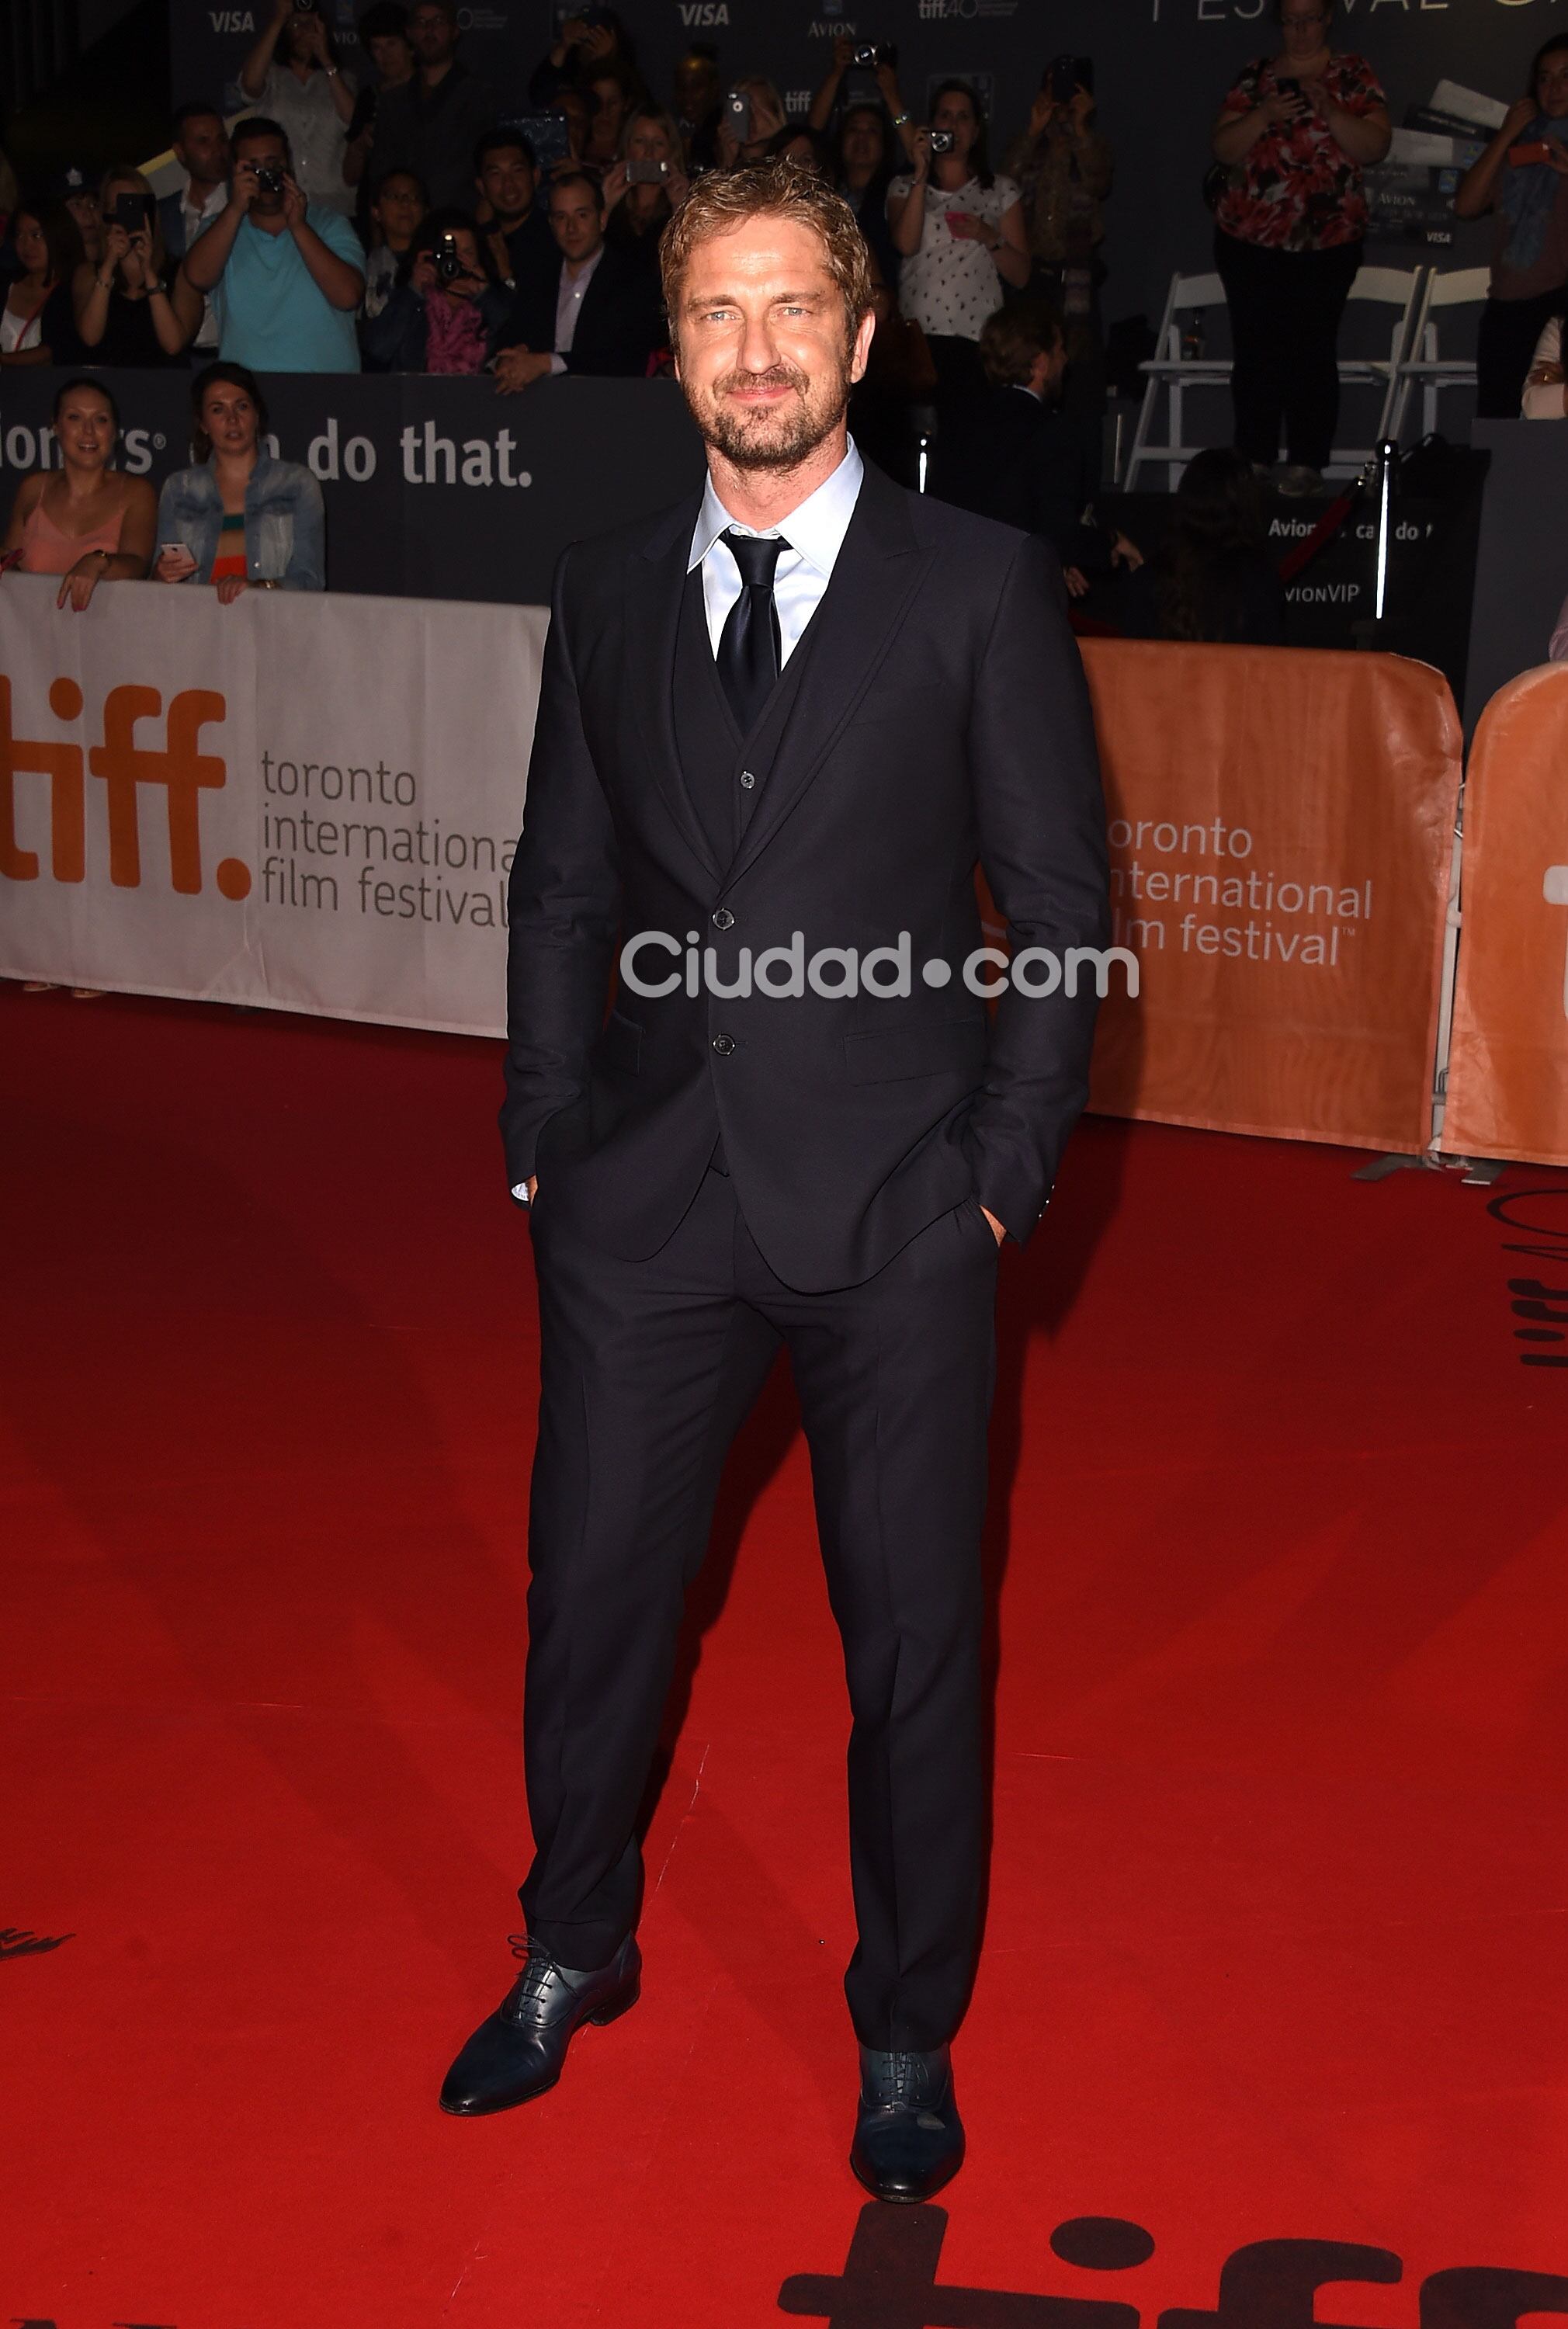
point(790, 714)
point(585, 309)
point(1016, 456)
point(201, 146)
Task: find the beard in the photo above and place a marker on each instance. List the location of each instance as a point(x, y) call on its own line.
point(781, 436)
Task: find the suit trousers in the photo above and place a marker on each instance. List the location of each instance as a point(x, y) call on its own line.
point(647, 1369)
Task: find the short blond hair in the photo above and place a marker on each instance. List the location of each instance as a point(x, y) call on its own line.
point(719, 202)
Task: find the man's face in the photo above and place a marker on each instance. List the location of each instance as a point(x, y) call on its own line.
point(432, 36)
point(762, 354)
point(391, 56)
point(1046, 375)
point(264, 153)
point(399, 210)
point(202, 145)
point(1552, 85)
point(506, 181)
point(575, 221)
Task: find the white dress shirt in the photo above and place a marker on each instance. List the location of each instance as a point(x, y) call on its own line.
point(194, 221)
point(569, 305)
point(814, 535)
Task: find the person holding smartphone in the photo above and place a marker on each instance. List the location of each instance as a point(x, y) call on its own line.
point(1522, 178)
point(1294, 134)
point(237, 519)
point(127, 311)
point(647, 185)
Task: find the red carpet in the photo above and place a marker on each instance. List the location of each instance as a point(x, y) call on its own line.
point(1277, 1932)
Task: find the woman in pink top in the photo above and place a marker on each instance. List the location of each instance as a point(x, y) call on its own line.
point(85, 520)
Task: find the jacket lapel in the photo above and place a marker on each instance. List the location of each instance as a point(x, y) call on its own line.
point(654, 588)
point(876, 574)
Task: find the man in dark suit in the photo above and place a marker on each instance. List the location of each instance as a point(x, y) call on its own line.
point(778, 725)
point(1016, 456)
point(585, 309)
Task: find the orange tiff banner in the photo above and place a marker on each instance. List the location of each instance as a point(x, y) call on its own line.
point(1281, 828)
point(1508, 1080)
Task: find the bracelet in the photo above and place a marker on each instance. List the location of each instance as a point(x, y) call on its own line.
point(900, 121)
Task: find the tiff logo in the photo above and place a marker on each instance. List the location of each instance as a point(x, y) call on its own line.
point(890, 2282)
point(176, 766)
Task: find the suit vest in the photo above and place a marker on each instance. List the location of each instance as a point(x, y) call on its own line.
point(724, 771)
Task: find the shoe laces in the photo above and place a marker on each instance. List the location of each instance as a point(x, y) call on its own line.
point(539, 1969)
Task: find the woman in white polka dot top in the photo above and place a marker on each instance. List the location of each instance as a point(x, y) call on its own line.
point(961, 230)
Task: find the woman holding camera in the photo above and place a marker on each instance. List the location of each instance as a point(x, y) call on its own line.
point(126, 311)
point(959, 231)
point(1293, 135)
point(237, 519)
point(1523, 178)
point(294, 76)
point(446, 312)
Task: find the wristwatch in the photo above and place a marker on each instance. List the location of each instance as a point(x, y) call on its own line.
point(900, 121)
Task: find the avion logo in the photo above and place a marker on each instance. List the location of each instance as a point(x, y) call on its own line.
point(176, 767)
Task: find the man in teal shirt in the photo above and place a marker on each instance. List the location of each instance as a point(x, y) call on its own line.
point(284, 277)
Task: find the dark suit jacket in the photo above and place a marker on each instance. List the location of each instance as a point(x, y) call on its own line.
point(1026, 464)
point(944, 718)
point(619, 324)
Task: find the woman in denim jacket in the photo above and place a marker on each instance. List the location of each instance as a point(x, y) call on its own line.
point(239, 519)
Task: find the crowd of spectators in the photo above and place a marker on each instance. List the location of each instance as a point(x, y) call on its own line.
point(386, 213)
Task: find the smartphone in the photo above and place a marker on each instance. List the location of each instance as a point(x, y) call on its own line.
point(181, 550)
point(133, 212)
point(646, 174)
point(1068, 75)
point(1519, 155)
point(737, 115)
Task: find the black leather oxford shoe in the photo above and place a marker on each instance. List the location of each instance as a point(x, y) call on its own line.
point(909, 2135)
point(518, 2052)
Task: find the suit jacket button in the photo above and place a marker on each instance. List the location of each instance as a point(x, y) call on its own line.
point(724, 1043)
point(748, 780)
point(724, 919)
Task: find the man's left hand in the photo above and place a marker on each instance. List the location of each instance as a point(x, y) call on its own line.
point(997, 1230)
point(516, 368)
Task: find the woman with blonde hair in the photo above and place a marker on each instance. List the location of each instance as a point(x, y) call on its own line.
point(125, 312)
point(648, 185)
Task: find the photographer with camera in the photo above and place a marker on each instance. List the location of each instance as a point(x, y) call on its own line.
point(447, 313)
point(880, 60)
point(959, 230)
point(295, 77)
point(126, 313)
point(285, 277)
point(1063, 164)
point(1523, 177)
point(592, 41)
point(647, 185)
point(237, 519)
point(1293, 135)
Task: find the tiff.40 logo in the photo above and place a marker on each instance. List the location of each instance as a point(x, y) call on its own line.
point(178, 767)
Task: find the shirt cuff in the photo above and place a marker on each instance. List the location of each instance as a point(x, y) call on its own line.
point(558, 365)
point(519, 1191)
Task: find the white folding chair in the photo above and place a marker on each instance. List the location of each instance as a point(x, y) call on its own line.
point(1424, 363)
point(1169, 370)
point(1400, 290)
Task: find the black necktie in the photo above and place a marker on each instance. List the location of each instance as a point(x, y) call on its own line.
point(748, 645)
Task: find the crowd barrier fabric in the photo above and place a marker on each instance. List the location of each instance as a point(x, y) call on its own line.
point(1282, 826)
point(299, 800)
point(1507, 1078)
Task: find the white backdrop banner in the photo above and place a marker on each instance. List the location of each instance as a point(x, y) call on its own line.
point(304, 801)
